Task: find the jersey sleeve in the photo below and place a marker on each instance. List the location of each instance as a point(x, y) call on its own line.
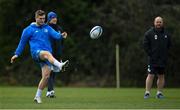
point(23, 41)
point(54, 34)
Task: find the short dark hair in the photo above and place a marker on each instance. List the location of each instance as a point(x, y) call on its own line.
point(39, 13)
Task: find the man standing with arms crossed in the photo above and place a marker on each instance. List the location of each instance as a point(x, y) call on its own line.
point(156, 45)
point(38, 36)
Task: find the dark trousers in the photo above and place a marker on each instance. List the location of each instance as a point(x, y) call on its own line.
point(51, 81)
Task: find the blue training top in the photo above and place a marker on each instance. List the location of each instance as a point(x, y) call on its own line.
point(38, 38)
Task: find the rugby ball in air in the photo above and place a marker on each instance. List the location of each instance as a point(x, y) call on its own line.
point(96, 32)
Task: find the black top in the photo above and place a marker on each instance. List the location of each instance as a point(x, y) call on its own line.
point(156, 44)
point(57, 45)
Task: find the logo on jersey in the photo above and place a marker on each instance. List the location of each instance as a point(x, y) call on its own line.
point(45, 30)
point(155, 37)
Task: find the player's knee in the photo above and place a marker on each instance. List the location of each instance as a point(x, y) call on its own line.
point(160, 76)
point(46, 76)
point(45, 55)
point(150, 76)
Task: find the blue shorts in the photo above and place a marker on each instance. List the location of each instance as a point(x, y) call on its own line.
point(36, 58)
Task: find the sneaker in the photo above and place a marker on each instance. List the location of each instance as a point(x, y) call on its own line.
point(50, 94)
point(146, 95)
point(159, 96)
point(37, 100)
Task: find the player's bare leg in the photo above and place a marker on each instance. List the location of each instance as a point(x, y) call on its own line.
point(149, 82)
point(160, 86)
point(45, 75)
point(45, 55)
point(42, 84)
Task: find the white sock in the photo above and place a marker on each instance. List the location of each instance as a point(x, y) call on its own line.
point(38, 93)
point(58, 64)
point(159, 92)
point(147, 92)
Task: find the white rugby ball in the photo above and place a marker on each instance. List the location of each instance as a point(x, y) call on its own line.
point(96, 32)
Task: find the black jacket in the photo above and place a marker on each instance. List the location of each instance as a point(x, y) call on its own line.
point(57, 45)
point(156, 44)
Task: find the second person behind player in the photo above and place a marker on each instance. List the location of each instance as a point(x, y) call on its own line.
point(57, 46)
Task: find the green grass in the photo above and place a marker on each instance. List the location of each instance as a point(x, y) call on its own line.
point(88, 98)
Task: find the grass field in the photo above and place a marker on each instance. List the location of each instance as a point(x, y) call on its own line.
point(88, 98)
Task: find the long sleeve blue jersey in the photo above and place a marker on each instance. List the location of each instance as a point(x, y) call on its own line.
point(38, 38)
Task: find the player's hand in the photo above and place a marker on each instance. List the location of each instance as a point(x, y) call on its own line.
point(13, 58)
point(64, 34)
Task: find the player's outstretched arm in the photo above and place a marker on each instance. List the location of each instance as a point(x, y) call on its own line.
point(13, 58)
